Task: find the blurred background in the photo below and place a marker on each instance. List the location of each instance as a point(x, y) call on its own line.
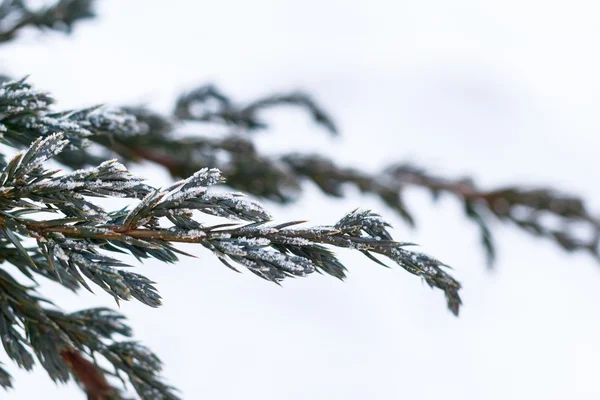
point(506, 92)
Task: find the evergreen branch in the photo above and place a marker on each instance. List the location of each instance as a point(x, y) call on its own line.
point(263, 249)
point(95, 329)
point(280, 178)
point(33, 255)
point(526, 208)
point(25, 116)
point(15, 15)
point(5, 379)
point(149, 136)
point(209, 104)
point(59, 341)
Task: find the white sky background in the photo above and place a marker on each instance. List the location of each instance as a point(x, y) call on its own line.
point(505, 91)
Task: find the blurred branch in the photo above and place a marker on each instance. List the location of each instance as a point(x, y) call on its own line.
point(89, 375)
point(208, 104)
point(15, 15)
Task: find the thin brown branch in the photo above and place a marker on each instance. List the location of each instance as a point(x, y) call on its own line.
point(88, 374)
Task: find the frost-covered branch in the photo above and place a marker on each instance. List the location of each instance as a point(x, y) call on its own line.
point(70, 344)
point(271, 252)
point(75, 240)
point(543, 212)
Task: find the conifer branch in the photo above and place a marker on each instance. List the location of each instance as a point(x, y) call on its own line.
point(264, 249)
point(209, 104)
point(542, 212)
point(15, 15)
point(74, 236)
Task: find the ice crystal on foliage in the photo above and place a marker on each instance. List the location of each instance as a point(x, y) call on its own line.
point(40, 151)
point(110, 178)
point(114, 122)
point(364, 220)
point(296, 241)
point(46, 124)
point(194, 186)
point(18, 96)
point(235, 206)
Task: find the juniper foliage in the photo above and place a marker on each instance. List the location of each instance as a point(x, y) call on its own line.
point(76, 240)
point(51, 225)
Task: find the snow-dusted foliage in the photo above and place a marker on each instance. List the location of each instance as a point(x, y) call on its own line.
point(78, 241)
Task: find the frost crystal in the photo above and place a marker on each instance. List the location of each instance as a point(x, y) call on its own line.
point(296, 241)
point(114, 122)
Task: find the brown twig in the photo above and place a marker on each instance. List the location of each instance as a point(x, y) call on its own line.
point(88, 374)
